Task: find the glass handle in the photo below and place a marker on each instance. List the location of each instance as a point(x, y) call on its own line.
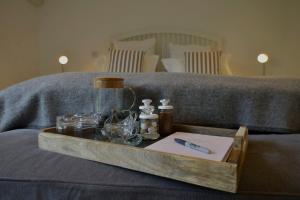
point(133, 95)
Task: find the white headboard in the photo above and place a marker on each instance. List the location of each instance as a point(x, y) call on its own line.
point(164, 38)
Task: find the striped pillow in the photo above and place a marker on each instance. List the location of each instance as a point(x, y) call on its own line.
point(203, 62)
point(125, 60)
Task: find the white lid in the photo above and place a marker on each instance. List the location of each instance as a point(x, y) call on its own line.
point(150, 116)
point(165, 105)
point(148, 107)
point(147, 103)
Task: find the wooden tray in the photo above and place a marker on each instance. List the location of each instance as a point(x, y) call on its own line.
point(212, 174)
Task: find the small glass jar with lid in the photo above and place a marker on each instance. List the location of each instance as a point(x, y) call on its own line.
point(165, 118)
point(148, 121)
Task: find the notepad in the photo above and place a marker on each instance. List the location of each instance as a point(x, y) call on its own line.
point(220, 146)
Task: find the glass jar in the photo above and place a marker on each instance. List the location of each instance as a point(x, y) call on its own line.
point(148, 121)
point(165, 118)
point(149, 126)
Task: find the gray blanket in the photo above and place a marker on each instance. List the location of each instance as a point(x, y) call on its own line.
point(264, 104)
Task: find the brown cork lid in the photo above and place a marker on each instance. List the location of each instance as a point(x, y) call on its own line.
point(108, 82)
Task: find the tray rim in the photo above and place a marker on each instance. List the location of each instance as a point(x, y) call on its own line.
point(235, 167)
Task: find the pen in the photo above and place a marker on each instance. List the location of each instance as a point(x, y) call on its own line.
point(193, 146)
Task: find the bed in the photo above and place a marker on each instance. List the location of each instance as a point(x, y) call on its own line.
point(269, 107)
point(272, 166)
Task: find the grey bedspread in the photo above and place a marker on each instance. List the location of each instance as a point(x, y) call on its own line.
point(265, 104)
point(272, 163)
point(271, 171)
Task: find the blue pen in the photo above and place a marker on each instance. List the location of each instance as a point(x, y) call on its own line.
point(193, 146)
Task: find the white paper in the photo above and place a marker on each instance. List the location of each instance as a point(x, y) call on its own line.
point(218, 145)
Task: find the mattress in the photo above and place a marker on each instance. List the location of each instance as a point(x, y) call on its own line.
point(271, 171)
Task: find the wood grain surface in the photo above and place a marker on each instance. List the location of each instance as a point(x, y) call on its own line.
point(213, 174)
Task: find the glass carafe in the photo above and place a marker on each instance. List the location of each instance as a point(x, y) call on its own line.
point(112, 96)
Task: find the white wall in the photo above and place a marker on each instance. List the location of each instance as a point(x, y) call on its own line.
point(291, 40)
point(18, 42)
point(32, 38)
point(77, 28)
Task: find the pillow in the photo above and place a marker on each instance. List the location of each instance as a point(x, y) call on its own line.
point(203, 62)
point(173, 65)
point(129, 61)
point(103, 61)
point(149, 62)
point(147, 45)
point(177, 50)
